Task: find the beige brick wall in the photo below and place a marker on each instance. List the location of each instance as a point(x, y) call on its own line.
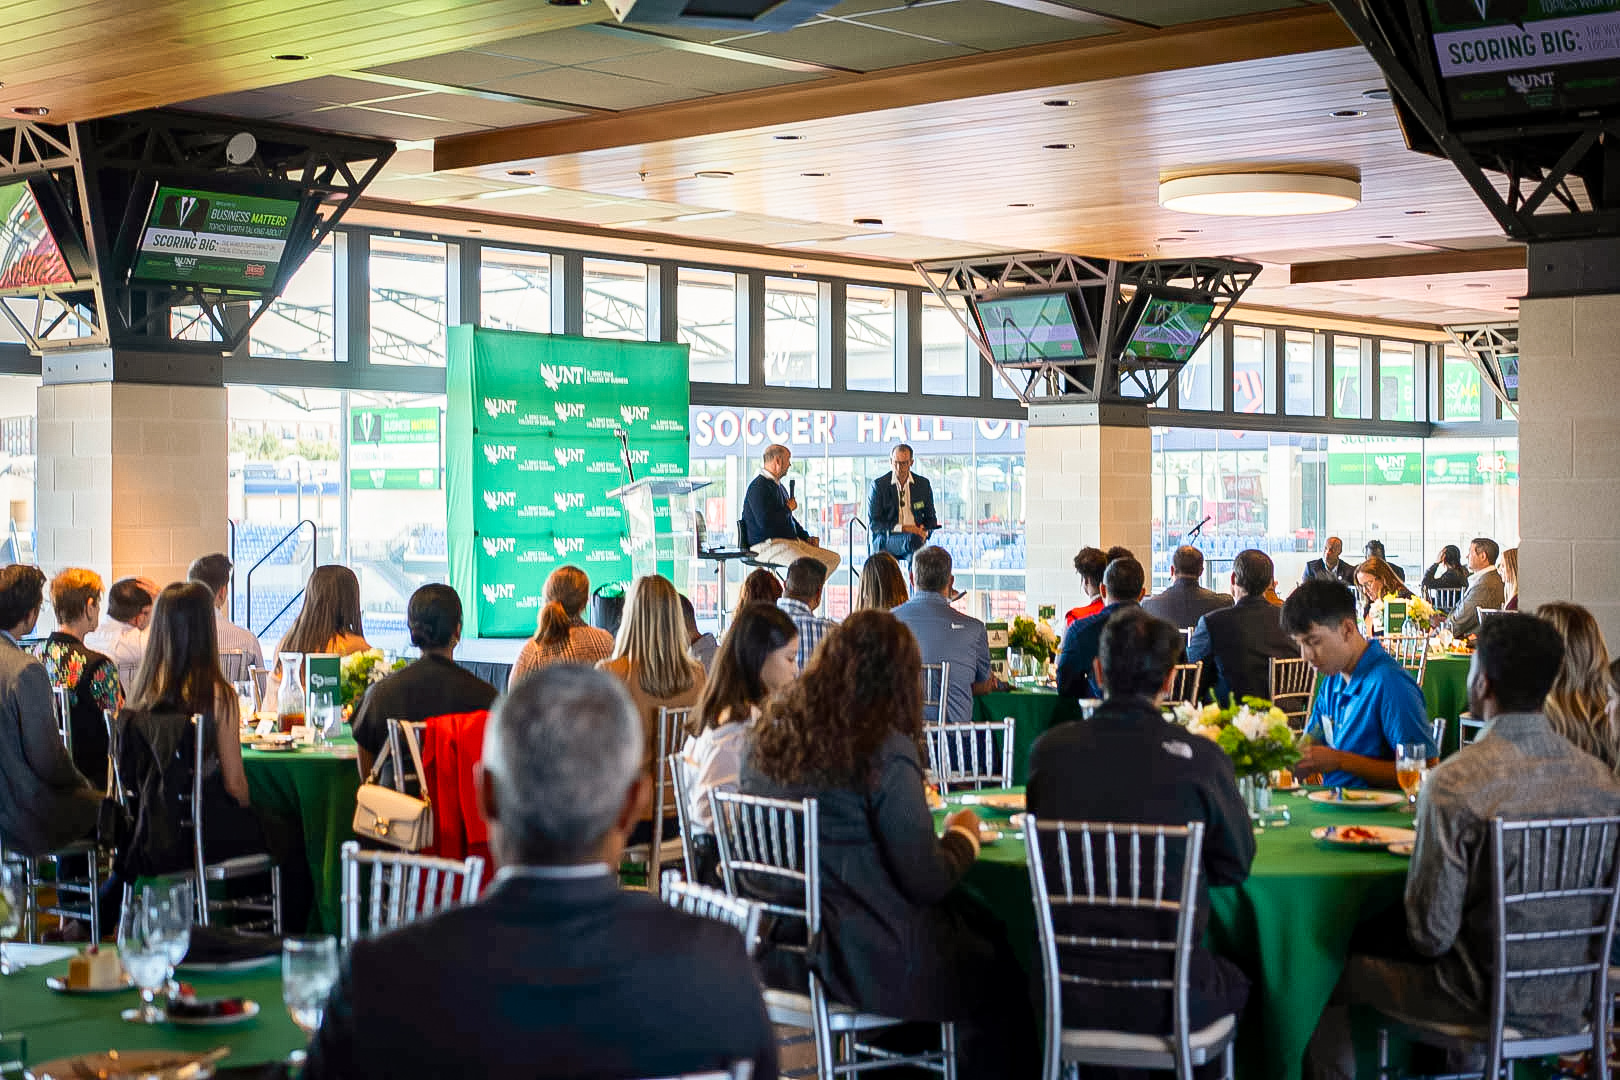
point(1569, 456)
point(1086, 485)
point(132, 478)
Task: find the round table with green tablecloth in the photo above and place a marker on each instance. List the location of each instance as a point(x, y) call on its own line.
point(314, 786)
point(1033, 711)
point(1445, 688)
point(1288, 926)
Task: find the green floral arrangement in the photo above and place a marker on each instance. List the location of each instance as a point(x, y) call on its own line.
point(1254, 733)
point(360, 670)
point(1033, 638)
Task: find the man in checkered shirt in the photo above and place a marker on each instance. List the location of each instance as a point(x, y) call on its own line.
point(801, 595)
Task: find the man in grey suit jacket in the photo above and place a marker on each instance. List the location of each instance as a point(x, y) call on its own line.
point(1485, 588)
point(45, 803)
point(1185, 601)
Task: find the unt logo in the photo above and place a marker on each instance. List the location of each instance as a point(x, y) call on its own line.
point(569, 455)
point(568, 500)
point(559, 375)
point(569, 410)
point(568, 545)
point(493, 593)
point(499, 500)
point(498, 407)
point(640, 457)
point(499, 545)
point(495, 454)
point(1393, 466)
point(1542, 80)
point(631, 413)
point(627, 545)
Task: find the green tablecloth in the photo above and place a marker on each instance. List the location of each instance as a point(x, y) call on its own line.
point(316, 788)
point(1445, 688)
point(1288, 926)
point(1033, 711)
point(57, 1025)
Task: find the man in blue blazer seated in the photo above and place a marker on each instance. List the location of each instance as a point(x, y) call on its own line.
point(900, 508)
point(555, 972)
point(769, 527)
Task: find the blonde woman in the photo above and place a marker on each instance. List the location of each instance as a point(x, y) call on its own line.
point(883, 584)
point(562, 636)
point(1508, 567)
point(1581, 705)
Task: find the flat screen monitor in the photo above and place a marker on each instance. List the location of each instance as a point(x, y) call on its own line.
point(1021, 327)
point(214, 239)
point(1508, 365)
point(1506, 58)
point(30, 257)
point(1169, 326)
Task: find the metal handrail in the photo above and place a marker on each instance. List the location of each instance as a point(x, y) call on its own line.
point(854, 578)
point(230, 525)
point(314, 541)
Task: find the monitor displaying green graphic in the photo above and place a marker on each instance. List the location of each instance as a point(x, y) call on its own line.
point(1030, 326)
point(214, 240)
point(1169, 328)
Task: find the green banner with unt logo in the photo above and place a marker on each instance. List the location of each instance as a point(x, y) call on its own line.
point(531, 451)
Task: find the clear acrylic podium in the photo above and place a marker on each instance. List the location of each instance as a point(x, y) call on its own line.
point(668, 546)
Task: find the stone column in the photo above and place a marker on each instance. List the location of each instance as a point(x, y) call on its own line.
point(1089, 476)
point(132, 474)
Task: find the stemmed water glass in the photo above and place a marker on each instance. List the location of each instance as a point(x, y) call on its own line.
point(174, 908)
point(143, 946)
point(309, 967)
point(1411, 768)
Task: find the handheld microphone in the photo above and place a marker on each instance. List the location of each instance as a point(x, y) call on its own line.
point(793, 489)
point(1198, 530)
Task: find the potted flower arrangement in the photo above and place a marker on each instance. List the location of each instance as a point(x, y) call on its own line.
point(1254, 733)
point(359, 670)
point(1419, 612)
point(1035, 640)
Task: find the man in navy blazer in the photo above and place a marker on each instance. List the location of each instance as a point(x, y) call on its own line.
point(769, 527)
point(900, 508)
point(1238, 643)
point(555, 973)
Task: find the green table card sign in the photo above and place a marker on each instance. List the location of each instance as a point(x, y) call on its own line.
point(1394, 615)
point(323, 673)
point(998, 648)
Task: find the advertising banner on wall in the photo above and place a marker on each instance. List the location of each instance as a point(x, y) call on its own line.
point(533, 448)
point(396, 449)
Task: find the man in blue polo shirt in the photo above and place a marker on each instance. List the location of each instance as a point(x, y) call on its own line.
point(1367, 704)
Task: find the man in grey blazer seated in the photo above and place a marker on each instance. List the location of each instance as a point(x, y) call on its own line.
point(1184, 601)
point(1485, 588)
point(45, 803)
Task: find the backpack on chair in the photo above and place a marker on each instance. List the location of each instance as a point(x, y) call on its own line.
point(152, 827)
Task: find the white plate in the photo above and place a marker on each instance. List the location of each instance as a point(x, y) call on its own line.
point(117, 1065)
point(250, 1009)
point(1359, 799)
point(1379, 836)
point(203, 967)
point(1017, 821)
point(1403, 848)
point(989, 836)
point(60, 985)
point(1004, 801)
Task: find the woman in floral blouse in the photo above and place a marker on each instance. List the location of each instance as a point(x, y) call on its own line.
point(89, 677)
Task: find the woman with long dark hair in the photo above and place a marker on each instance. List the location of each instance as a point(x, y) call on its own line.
point(899, 941)
point(758, 659)
point(329, 622)
point(1447, 571)
point(759, 587)
point(562, 636)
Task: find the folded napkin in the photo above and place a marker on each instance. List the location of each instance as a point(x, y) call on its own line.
point(25, 956)
point(215, 945)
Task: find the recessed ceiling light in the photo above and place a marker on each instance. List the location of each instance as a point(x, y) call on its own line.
point(1171, 240)
point(290, 57)
point(1385, 236)
point(475, 230)
point(813, 174)
point(788, 138)
point(1414, 213)
point(797, 266)
point(713, 174)
point(1137, 255)
point(1259, 194)
point(1190, 230)
point(1059, 103)
point(868, 221)
point(1476, 285)
point(1347, 114)
point(519, 172)
point(31, 110)
point(1059, 146)
point(1512, 305)
point(568, 3)
point(1380, 94)
point(1020, 205)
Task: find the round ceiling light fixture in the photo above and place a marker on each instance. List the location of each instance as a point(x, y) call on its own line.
point(1348, 114)
point(1259, 194)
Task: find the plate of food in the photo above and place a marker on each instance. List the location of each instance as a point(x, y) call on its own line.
point(274, 744)
point(1362, 836)
point(1357, 798)
point(126, 1065)
point(1403, 848)
point(988, 835)
point(210, 1012)
point(95, 971)
point(1012, 800)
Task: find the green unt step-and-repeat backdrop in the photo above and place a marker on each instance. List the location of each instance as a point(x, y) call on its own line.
point(531, 452)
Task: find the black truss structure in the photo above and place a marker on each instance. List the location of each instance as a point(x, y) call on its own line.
point(1104, 289)
point(104, 172)
point(1485, 344)
point(1542, 179)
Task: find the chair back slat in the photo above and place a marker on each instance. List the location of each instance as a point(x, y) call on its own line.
point(1445, 601)
point(1185, 684)
point(742, 915)
point(676, 767)
point(62, 710)
point(1411, 650)
point(395, 888)
point(971, 756)
point(671, 725)
point(768, 849)
point(1293, 689)
point(233, 664)
point(937, 692)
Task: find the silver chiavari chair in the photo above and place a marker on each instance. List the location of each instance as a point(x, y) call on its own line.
point(396, 888)
point(971, 756)
point(1185, 685)
point(1445, 601)
point(1293, 690)
point(234, 664)
point(770, 846)
point(671, 730)
point(1411, 651)
point(1081, 869)
point(937, 692)
point(742, 915)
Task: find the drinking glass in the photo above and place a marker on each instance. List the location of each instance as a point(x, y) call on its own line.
point(324, 716)
point(11, 898)
point(144, 949)
point(247, 700)
point(1411, 767)
point(174, 906)
point(309, 967)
